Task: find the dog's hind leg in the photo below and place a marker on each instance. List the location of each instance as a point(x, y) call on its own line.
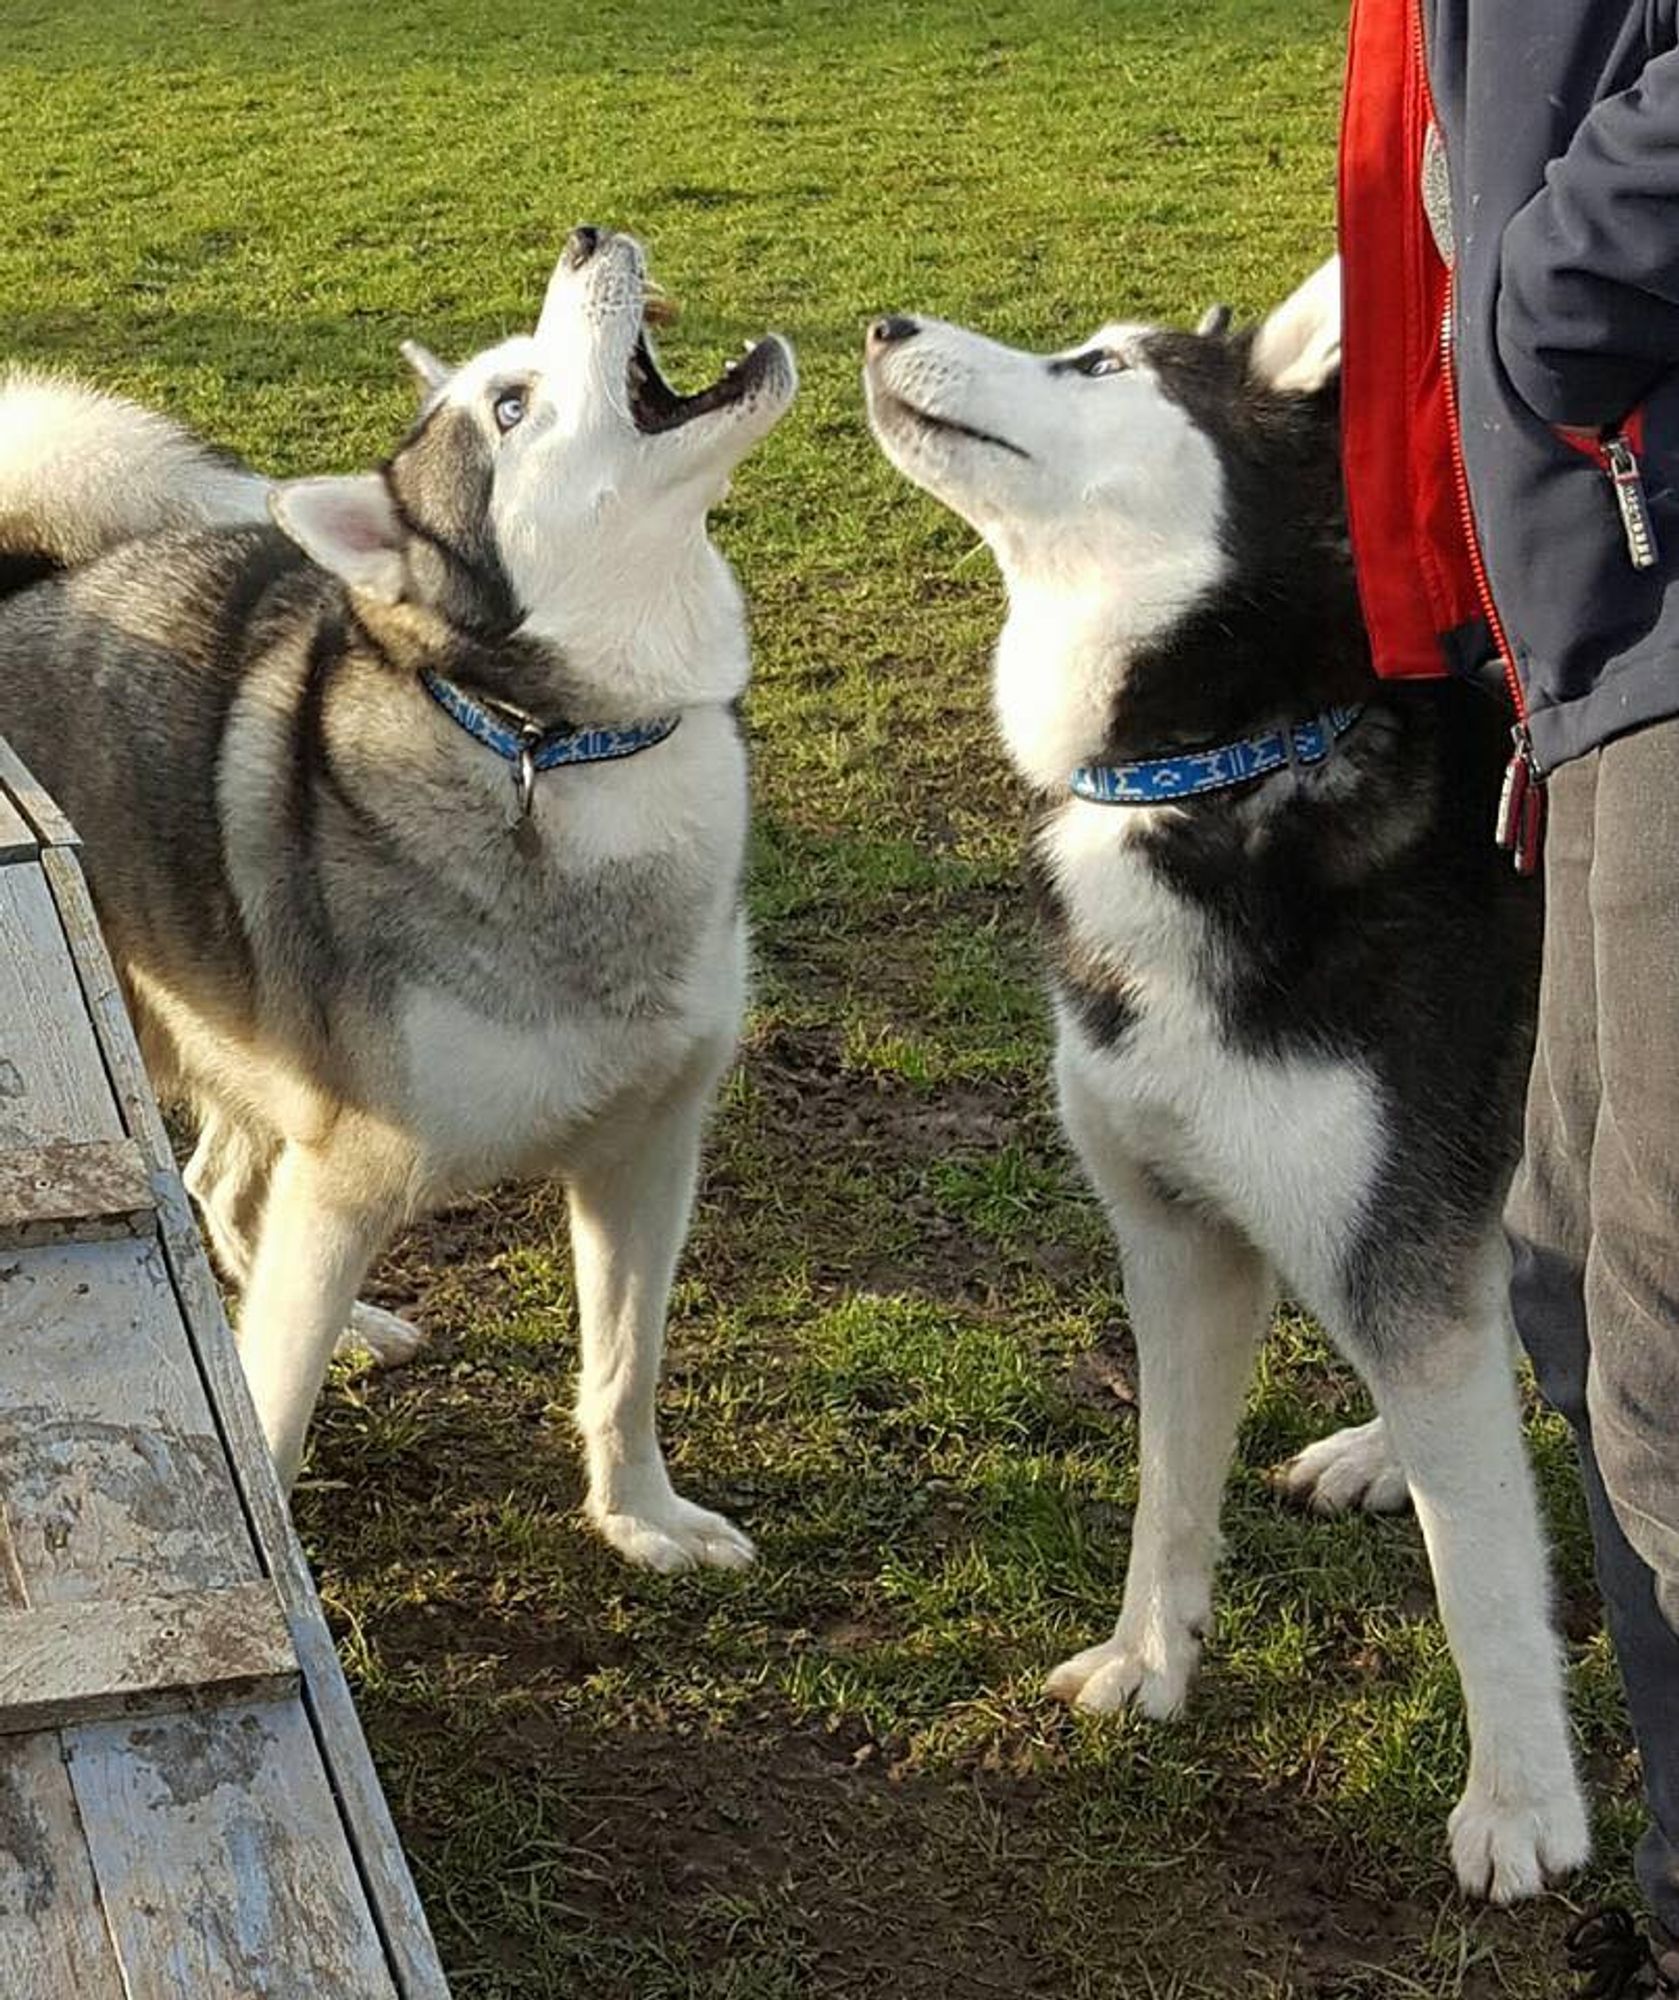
point(227, 1177)
point(1199, 1298)
point(385, 1337)
point(1351, 1468)
point(1448, 1396)
point(322, 1226)
point(630, 1205)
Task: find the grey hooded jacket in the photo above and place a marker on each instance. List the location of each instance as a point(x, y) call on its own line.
point(1561, 127)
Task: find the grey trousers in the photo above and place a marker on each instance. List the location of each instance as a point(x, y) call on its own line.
point(1594, 1216)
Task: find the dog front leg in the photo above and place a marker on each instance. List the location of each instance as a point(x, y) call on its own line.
point(1448, 1395)
point(319, 1234)
point(629, 1218)
point(1199, 1299)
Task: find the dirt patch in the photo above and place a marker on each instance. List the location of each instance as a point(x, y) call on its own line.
point(816, 1115)
point(518, 1647)
point(422, 1273)
point(891, 1885)
point(1105, 1378)
point(814, 1093)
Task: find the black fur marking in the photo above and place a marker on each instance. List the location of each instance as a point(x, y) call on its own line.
point(1282, 638)
point(440, 482)
point(312, 779)
point(228, 599)
point(20, 569)
point(1100, 1000)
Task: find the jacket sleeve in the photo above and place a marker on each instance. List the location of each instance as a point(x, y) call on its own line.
point(1588, 311)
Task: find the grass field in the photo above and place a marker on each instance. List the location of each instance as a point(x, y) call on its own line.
point(898, 1350)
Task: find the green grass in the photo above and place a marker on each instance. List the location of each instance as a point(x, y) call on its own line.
point(898, 1349)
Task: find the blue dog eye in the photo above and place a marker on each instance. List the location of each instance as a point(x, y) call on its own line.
point(509, 409)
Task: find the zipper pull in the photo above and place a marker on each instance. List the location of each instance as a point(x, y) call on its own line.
point(1521, 806)
point(1510, 801)
point(1620, 461)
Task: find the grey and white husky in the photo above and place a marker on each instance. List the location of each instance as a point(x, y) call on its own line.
point(1292, 977)
point(415, 819)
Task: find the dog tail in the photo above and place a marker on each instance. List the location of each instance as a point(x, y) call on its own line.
point(82, 472)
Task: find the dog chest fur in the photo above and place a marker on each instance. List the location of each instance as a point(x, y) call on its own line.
point(1288, 1145)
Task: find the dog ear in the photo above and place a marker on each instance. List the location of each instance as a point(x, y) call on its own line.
point(429, 372)
point(1298, 348)
point(1215, 323)
point(349, 526)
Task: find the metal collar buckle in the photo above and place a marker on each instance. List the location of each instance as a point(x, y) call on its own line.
point(524, 771)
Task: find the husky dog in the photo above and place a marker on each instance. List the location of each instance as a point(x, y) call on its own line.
point(1293, 980)
point(415, 819)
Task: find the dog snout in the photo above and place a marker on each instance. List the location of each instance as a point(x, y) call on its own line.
point(581, 245)
point(893, 328)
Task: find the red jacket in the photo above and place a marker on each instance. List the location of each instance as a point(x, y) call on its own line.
point(1407, 498)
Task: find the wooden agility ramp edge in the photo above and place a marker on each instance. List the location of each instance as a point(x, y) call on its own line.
point(188, 1810)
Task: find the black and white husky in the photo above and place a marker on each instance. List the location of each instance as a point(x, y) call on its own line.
point(415, 819)
point(1292, 977)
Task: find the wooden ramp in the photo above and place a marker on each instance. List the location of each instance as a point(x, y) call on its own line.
point(187, 1806)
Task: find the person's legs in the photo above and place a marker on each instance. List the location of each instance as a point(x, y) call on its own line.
point(1549, 1215)
point(1632, 1268)
point(1581, 1339)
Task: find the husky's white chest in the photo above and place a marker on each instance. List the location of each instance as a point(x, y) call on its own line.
point(488, 1099)
point(1285, 1146)
point(597, 981)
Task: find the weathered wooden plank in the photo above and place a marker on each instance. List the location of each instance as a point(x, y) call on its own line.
point(395, 1902)
point(17, 836)
point(218, 1852)
point(52, 1083)
point(96, 1662)
point(32, 801)
point(73, 1191)
point(54, 1944)
point(112, 1472)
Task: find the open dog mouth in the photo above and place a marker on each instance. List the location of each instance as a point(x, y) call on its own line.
point(655, 406)
point(894, 406)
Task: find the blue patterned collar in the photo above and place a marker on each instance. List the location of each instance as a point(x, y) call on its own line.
point(530, 747)
point(1156, 780)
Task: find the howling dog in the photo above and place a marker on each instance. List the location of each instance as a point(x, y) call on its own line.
point(415, 818)
point(1293, 979)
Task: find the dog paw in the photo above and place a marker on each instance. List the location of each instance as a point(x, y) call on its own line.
point(373, 1331)
point(1152, 1674)
point(1506, 1850)
point(1354, 1468)
point(676, 1535)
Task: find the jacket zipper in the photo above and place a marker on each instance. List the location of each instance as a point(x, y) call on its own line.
point(1520, 826)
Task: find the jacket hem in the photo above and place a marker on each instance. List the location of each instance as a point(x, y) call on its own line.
point(1627, 698)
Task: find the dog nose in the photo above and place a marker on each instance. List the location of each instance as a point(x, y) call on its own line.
point(581, 245)
point(893, 327)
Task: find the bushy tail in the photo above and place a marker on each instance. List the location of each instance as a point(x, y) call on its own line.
point(82, 472)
